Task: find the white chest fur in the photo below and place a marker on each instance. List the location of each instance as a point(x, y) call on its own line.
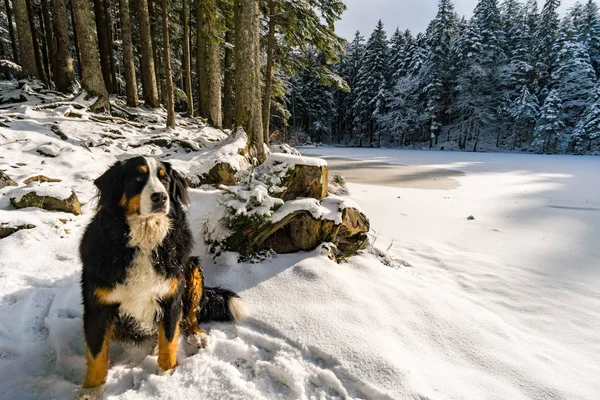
point(139, 295)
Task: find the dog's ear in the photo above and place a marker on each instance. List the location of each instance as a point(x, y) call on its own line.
point(110, 185)
point(179, 186)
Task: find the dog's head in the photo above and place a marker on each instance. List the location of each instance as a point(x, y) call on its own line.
point(142, 186)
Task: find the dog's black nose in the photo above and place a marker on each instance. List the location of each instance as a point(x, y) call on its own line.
point(159, 198)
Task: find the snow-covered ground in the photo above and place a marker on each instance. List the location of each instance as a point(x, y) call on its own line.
point(505, 306)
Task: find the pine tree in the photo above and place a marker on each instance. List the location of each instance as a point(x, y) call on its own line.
point(549, 125)
point(147, 67)
point(524, 112)
point(11, 31)
point(589, 32)
point(65, 75)
point(437, 77)
point(26, 43)
point(187, 63)
point(229, 68)
point(370, 86)
point(588, 129)
point(128, 60)
point(167, 61)
point(574, 78)
point(212, 38)
point(546, 36)
point(248, 108)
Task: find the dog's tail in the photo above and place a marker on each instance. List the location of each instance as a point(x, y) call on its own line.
point(220, 304)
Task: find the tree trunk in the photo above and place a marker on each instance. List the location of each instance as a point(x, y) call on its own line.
point(91, 72)
point(248, 113)
point(228, 77)
point(201, 74)
point(11, 32)
point(187, 64)
point(167, 60)
point(25, 40)
point(111, 55)
point(100, 13)
point(155, 31)
point(266, 111)
point(75, 39)
point(50, 41)
point(213, 63)
point(37, 51)
point(149, 88)
point(64, 76)
point(128, 60)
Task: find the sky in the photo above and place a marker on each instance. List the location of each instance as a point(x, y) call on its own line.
point(406, 14)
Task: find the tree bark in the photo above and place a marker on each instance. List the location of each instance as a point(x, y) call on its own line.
point(111, 53)
point(149, 88)
point(201, 74)
point(213, 63)
point(100, 13)
point(248, 113)
point(228, 77)
point(167, 61)
point(128, 61)
point(11, 32)
point(25, 40)
point(91, 72)
point(50, 41)
point(266, 111)
point(64, 76)
point(75, 40)
point(37, 50)
point(187, 64)
point(155, 31)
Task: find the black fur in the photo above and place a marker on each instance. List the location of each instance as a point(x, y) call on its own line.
point(106, 256)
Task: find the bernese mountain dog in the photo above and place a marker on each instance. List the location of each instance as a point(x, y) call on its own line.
point(138, 281)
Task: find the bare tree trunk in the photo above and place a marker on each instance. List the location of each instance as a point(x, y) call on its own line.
point(128, 61)
point(213, 63)
point(37, 50)
point(111, 55)
point(64, 76)
point(11, 31)
point(155, 31)
point(248, 113)
point(187, 64)
point(167, 59)
point(228, 76)
point(201, 74)
point(91, 72)
point(50, 41)
point(266, 111)
point(100, 14)
point(149, 88)
point(75, 40)
point(25, 40)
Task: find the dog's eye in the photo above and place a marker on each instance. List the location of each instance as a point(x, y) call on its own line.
point(140, 178)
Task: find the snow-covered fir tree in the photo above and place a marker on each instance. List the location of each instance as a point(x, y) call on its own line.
point(370, 88)
point(588, 129)
point(523, 113)
point(550, 125)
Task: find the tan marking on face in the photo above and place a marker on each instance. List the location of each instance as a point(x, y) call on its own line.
point(132, 205)
point(143, 169)
point(162, 173)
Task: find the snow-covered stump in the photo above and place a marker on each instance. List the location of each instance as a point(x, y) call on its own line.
point(299, 176)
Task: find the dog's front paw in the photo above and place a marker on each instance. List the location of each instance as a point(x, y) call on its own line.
point(163, 372)
point(199, 340)
point(90, 393)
